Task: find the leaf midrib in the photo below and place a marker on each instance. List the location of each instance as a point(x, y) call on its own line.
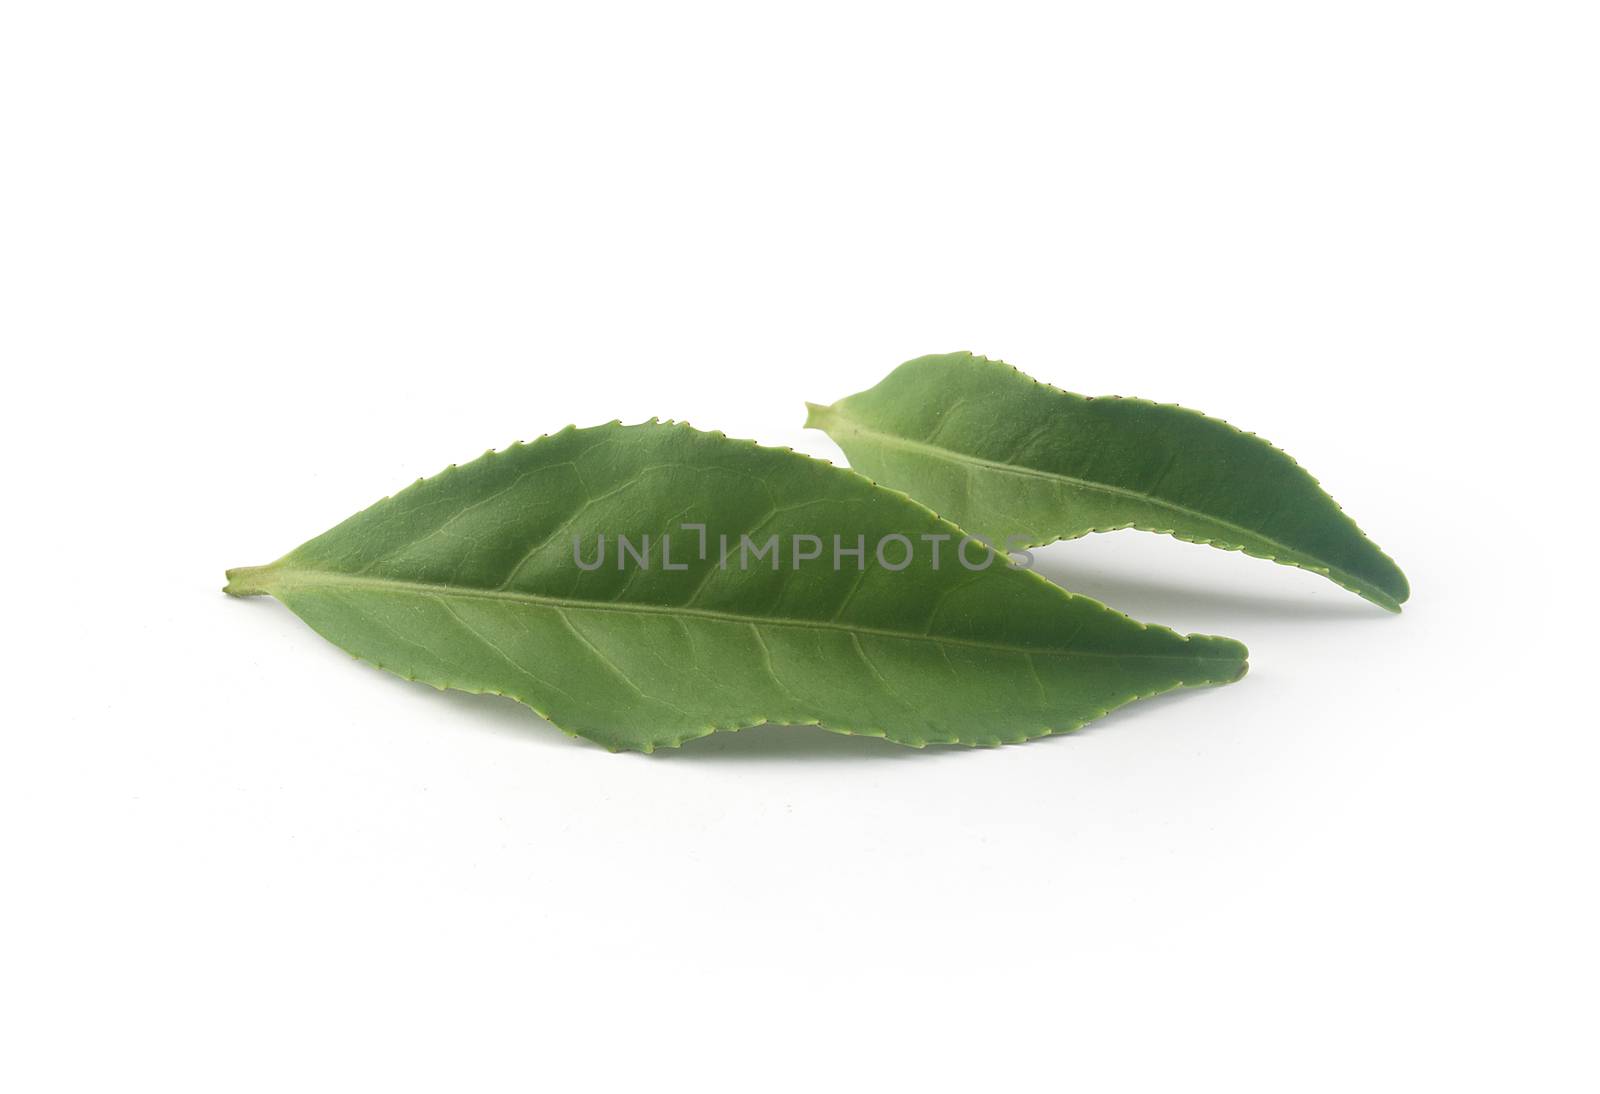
point(291, 578)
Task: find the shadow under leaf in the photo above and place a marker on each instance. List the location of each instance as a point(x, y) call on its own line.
point(1158, 600)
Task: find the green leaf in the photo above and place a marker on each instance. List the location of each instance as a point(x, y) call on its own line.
point(471, 580)
point(1022, 464)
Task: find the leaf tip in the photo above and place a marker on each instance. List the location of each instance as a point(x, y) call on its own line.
point(1388, 591)
point(1230, 656)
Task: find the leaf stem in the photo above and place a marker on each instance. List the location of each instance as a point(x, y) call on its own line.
point(249, 581)
point(818, 416)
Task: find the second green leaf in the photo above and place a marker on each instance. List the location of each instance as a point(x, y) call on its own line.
point(1023, 464)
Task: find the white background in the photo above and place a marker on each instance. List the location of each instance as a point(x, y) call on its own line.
point(263, 264)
